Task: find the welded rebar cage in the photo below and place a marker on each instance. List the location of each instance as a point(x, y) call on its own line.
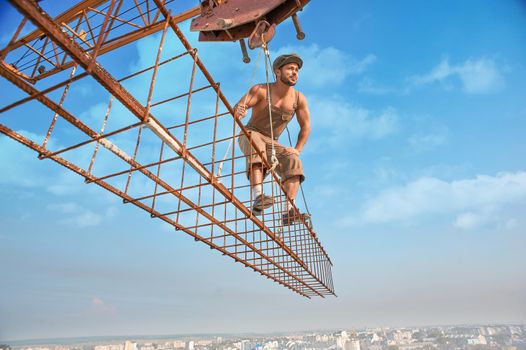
point(163, 138)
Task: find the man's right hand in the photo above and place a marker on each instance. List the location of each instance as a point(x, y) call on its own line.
point(240, 111)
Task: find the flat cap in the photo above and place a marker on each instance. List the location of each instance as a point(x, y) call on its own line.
point(286, 59)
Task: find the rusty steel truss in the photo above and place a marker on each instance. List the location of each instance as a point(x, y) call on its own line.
point(183, 165)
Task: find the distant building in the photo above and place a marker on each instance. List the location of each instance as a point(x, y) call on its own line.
point(271, 345)
point(515, 330)
point(204, 342)
point(243, 345)
point(402, 337)
point(322, 338)
point(179, 344)
point(148, 346)
point(130, 345)
point(376, 338)
point(352, 345)
point(480, 340)
point(342, 340)
point(108, 347)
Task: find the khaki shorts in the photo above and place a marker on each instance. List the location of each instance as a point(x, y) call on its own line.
point(289, 164)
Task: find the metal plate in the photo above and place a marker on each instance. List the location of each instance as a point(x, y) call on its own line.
point(239, 11)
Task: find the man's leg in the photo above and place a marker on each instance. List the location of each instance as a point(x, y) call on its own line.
point(291, 186)
point(260, 201)
point(290, 216)
point(256, 180)
point(255, 171)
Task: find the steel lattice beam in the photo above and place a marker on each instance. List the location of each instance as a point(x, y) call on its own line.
point(293, 258)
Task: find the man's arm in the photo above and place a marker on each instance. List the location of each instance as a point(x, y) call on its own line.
point(303, 117)
point(249, 100)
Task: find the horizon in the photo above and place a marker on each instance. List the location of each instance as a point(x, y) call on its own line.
point(139, 337)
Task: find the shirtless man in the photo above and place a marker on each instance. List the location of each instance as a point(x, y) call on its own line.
point(285, 103)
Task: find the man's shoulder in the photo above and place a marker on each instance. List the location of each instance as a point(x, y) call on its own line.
point(258, 88)
point(300, 97)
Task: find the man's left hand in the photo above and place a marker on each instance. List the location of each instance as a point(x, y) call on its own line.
point(291, 151)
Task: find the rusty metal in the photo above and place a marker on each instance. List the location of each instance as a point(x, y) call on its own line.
point(210, 205)
point(86, 14)
point(103, 34)
point(262, 34)
point(243, 46)
point(299, 32)
point(101, 133)
point(55, 117)
point(236, 19)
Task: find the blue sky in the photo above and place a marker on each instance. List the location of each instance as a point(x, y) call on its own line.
point(416, 178)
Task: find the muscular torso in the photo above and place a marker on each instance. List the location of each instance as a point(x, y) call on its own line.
point(282, 107)
point(285, 102)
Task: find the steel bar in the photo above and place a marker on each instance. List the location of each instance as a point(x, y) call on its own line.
point(182, 95)
point(93, 139)
point(55, 117)
point(103, 127)
point(43, 92)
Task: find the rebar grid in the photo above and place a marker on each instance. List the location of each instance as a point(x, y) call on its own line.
point(98, 26)
point(186, 170)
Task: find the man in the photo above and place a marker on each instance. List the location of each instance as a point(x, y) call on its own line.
point(285, 102)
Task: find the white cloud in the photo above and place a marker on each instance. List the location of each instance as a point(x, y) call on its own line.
point(489, 216)
point(326, 66)
point(370, 86)
point(78, 216)
point(340, 121)
point(66, 208)
point(470, 220)
point(26, 171)
point(425, 142)
point(85, 218)
point(472, 201)
point(476, 76)
point(99, 306)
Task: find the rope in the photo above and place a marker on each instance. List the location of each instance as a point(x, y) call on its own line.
point(273, 158)
point(301, 187)
point(253, 77)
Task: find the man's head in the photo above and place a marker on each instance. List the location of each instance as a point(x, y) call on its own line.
point(286, 68)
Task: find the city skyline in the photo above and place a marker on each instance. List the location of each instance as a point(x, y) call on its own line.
point(378, 338)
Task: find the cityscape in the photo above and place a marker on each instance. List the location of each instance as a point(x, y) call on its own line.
point(468, 337)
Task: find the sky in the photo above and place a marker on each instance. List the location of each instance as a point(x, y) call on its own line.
point(416, 178)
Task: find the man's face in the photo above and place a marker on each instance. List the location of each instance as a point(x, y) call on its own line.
point(288, 74)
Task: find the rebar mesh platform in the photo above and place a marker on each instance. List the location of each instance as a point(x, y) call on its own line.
point(164, 138)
